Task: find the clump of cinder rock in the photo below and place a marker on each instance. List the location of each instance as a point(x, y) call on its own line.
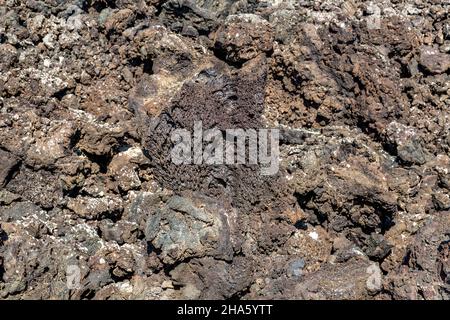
point(91, 90)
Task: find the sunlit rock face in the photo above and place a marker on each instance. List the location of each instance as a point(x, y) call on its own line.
point(92, 205)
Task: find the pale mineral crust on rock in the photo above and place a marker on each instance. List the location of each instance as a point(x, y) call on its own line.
point(91, 91)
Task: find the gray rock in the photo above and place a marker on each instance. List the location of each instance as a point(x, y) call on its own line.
point(411, 152)
point(19, 211)
point(296, 268)
point(186, 228)
point(7, 164)
point(441, 200)
point(349, 280)
point(377, 247)
point(434, 61)
point(97, 278)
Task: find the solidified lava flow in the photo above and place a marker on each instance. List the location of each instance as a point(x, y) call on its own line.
point(93, 206)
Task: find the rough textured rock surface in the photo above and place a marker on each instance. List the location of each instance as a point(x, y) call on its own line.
point(91, 90)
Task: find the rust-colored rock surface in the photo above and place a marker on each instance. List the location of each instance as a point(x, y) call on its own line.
point(93, 207)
